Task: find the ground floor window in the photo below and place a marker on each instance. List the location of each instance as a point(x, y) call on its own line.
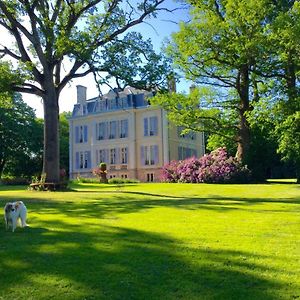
point(150, 177)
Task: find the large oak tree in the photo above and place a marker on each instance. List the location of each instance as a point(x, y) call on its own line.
point(51, 35)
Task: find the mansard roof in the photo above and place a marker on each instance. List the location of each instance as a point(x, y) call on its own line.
point(113, 100)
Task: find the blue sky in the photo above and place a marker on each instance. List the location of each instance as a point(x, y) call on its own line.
point(157, 29)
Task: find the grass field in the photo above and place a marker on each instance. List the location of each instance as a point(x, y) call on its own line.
point(154, 241)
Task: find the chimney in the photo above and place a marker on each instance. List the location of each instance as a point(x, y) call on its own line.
point(81, 94)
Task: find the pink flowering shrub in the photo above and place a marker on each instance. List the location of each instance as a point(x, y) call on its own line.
point(215, 167)
point(169, 171)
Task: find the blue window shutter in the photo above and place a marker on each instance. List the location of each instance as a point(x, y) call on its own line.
point(145, 126)
point(180, 153)
point(126, 128)
point(89, 162)
point(118, 129)
point(77, 160)
point(106, 130)
point(142, 155)
point(106, 155)
point(76, 134)
point(155, 125)
point(85, 135)
point(118, 153)
point(126, 151)
point(156, 154)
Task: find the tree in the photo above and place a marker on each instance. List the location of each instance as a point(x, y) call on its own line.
point(21, 138)
point(50, 35)
point(221, 47)
point(64, 140)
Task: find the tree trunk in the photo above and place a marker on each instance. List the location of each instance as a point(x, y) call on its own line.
point(244, 131)
point(51, 135)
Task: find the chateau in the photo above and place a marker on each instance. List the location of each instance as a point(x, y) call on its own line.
point(133, 137)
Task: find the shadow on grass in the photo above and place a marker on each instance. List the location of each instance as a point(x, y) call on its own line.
point(67, 261)
point(132, 202)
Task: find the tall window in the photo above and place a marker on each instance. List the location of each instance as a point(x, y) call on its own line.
point(124, 155)
point(123, 129)
point(151, 126)
point(112, 129)
point(83, 160)
point(113, 154)
point(102, 156)
point(81, 134)
point(149, 155)
point(101, 129)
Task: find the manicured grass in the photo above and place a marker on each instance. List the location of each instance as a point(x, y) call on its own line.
point(154, 241)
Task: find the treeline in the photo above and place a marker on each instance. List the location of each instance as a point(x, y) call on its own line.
point(244, 58)
point(21, 140)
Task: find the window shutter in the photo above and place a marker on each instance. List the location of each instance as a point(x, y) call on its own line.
point(126, 155)
point(142, 155)
point(76, 134)
point(97, 157)
point(156, 154)
point(85, 135)
point(77, 160)
point(180, 153)
point(106, 155)
point(89, 162)
point(126, 127)
point(118, 153)
point(106, 130)
point(155, 125)
point(118, 129)
point(145, 126)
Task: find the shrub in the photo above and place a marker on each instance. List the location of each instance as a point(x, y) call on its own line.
point(14, 181)
point(122, 180)
point(215, 167)
point(170, 171)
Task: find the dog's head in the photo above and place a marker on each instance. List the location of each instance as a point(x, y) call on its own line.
point(9, 207)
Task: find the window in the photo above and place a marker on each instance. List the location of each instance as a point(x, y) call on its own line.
point(112, 129)
point(81, 134)
point(150, 126)
point(184, 152)
point(153, 126)
point(112, 103)
point(124, 155)
point(123, 129)
point(190, 135)
point(112, 159)
point(149, 155)
point(102, 156)
point(100, 131)
point(83, 160)
point(150, 177)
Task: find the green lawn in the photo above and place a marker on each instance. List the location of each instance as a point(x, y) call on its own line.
point(154, 241)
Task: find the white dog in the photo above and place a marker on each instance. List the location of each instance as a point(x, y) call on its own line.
point(13, 211)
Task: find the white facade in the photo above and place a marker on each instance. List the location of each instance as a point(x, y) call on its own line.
point(132, 137)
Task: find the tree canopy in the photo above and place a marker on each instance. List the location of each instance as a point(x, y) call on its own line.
point(239, 54)
point(57, 41)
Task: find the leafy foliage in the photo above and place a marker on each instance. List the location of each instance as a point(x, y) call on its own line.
point(215, 167)
point(21, 135)
point(58, 41)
